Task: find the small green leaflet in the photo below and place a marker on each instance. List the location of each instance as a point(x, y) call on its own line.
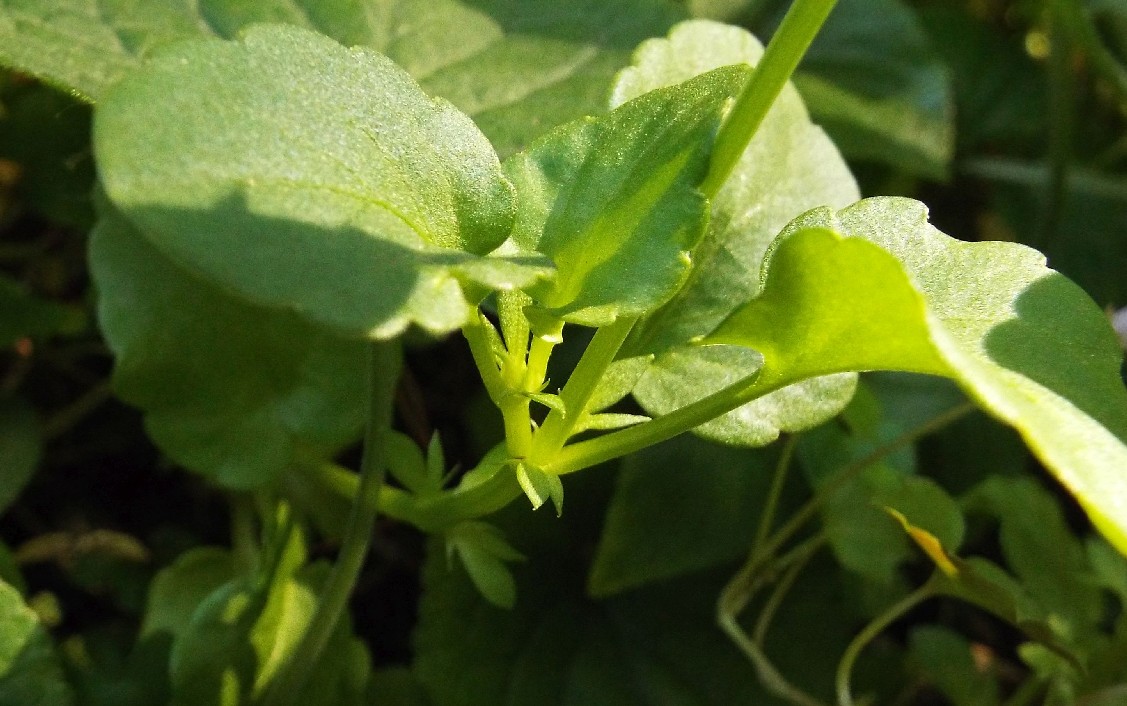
point(613, 200)
point(339, 189)
point(876, 287)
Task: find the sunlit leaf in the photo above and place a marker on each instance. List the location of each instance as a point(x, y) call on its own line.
point(876, 287)
point(613, 200)
point(366, 221)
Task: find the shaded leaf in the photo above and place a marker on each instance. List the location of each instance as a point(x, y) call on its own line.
point(177, 590)
point(518, 68)
point(678, 507)
point(484, 552)
point(22, 315)
point(946, 661)
point(613, 200)
point(229, 389)
point(364, 222)
point(1023, 341)
point(557, 647)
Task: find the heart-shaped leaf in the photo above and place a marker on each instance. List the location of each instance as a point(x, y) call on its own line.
point(875, 286)
point(364, 216)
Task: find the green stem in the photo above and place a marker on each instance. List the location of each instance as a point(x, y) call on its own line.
point(735, 597)
point(850, 471)
point(431, 513)
point(478, 337)
point(385, 362)
point(585, 454)
point(539, 352)
point(243, 537)
point(771, 74)
point(1061, 119)
point(66, 418)
point(581, 385)
point(772, 502)
point(782, 588)
point(870, 631)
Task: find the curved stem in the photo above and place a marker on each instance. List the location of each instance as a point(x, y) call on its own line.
point(850, 471)
point(870, 631)
point(383, 375)
point(779, 61)
point(772, 502)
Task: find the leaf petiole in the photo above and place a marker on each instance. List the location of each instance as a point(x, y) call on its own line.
point(771, 74)
point(384, 366)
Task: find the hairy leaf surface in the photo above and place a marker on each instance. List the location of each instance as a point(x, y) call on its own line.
point(876, 287)
point(363, 217)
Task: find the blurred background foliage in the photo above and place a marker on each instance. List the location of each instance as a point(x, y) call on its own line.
point(1007, 118)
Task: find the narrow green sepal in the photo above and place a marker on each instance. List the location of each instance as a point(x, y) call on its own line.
point(540, 487)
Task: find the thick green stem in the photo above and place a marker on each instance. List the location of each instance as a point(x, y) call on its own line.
point(604, 448)
point(779, 61)
point(870, 631)
point(386, 358)
point(581, 385)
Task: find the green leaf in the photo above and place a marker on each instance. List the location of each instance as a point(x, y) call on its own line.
point(981, 583)
point(177, 590)
point(398, 686)
point(1042, 551)
point(789, 167)
point(558, 647)
point(239, 636)
point(229, 389)
point(20, 448)
point(518, 68)
point(1023, 341)
point(365, 222)
point(648, 536)
point(873, 81)
point(684, 375)
point(484, 552)
point(30, 672)
point(613, 200)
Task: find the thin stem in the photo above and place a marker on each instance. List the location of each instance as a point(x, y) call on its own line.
point(66, 418)
point(850, 471)
point(604, 448)
point(581, 385)
point(779, 61)
point(870, 631)
point(1061, 119)
point(386, 358)
point(776, 490)
point(782, 588)
point(539, 352)
point(734, 599)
